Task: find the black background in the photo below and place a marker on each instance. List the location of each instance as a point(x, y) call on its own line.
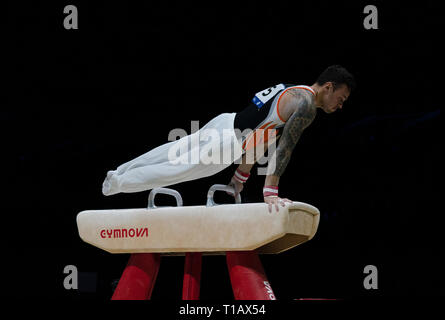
point(82, 102)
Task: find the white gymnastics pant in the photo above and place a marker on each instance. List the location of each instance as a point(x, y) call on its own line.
point(178, 161)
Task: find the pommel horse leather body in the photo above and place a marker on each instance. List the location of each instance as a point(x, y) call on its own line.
point(211, 230)
point(241, 231)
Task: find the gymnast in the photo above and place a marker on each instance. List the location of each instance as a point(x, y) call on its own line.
point(279, 112)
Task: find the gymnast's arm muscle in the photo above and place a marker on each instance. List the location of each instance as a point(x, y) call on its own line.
point(300, 119)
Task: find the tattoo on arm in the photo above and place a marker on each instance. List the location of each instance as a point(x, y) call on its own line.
point(295, 125)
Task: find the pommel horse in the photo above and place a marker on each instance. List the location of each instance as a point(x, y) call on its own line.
point(241, 231)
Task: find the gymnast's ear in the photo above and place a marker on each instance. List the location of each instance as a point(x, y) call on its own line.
point(328, 86)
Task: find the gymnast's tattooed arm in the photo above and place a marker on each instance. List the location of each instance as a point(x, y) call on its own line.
point(300, 119)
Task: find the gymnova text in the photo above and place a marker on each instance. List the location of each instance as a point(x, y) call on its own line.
point(124, 233)
point(210, 146)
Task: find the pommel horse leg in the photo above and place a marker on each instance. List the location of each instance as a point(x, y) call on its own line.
point(139, 277)
point(192, 276)
point(247, 276)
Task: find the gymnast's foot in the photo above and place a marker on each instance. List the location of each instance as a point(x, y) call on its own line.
point(107, 185)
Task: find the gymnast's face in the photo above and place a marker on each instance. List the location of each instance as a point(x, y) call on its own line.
point(333, 99)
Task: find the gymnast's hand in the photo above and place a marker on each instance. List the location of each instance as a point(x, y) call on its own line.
point(236, 185)
point(274, 200)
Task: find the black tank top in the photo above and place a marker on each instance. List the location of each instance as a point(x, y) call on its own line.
point(259, 109)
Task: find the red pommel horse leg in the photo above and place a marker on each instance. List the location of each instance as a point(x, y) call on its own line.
point(192, 276)
point(247, 276)
point(139, 277)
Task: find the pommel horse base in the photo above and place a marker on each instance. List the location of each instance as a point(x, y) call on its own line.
point(241, 231)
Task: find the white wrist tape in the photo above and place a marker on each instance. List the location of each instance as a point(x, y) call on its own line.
point(270, 191)
point(241, 176)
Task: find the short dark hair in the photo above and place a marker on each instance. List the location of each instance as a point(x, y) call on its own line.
point(338, 76)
